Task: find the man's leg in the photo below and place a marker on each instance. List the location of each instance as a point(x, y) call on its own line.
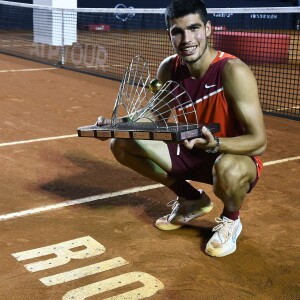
point(152, 159)
point(232, 177)
point(148, 158)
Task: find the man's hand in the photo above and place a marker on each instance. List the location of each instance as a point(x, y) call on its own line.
point(102, 121)
point(206, 142)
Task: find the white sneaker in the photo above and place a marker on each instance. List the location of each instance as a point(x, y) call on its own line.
point(183, 211)
point(223, 242)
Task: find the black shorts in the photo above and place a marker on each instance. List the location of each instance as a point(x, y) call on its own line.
point(194, 164)
point(197, 165)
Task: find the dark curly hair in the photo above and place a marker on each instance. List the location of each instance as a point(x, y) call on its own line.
point(181, 8)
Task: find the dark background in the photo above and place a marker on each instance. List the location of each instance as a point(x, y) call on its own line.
point(164, 3)
point(230, 21)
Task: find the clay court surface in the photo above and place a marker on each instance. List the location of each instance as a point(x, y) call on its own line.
point(75, 224)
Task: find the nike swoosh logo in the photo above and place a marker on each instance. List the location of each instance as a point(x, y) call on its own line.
point(209, 86)
point(234, 236)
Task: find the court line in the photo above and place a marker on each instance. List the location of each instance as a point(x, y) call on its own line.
point(106, 196)
point(280, 161)
point(28, 70)
point(78, 201)
point(38, 140)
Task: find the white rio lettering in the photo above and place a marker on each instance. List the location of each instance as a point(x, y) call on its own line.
point(150, 287)
point(86, 247)
point(85, 271)
point(62, 252)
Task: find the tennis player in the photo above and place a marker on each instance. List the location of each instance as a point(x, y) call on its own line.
point(224, 91)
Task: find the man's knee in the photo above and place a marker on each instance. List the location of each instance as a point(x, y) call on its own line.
point(230, 173)
point(227, 167)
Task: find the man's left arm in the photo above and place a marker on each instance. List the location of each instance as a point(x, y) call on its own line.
point(241, 91)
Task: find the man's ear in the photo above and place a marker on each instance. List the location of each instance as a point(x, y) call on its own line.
point(208, 28)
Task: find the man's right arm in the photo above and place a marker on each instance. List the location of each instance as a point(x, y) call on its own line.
point(102, 121)
point(164, 69)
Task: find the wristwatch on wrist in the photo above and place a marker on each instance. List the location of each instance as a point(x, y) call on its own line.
point(216, 148)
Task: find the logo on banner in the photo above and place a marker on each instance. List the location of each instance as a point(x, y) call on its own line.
point(124, 13)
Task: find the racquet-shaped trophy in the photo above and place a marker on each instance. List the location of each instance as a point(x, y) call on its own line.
point(149, 110)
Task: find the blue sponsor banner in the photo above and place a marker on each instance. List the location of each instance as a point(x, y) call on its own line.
point(23, 16)
point(247, 21)
point(124, 3)
point(253, 20)
point(12, 17)
point(209, 3)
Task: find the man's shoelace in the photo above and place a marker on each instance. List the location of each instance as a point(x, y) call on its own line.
point(175, 206)
point(224, 228)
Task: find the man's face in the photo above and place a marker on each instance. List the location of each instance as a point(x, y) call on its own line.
point(188, 36)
